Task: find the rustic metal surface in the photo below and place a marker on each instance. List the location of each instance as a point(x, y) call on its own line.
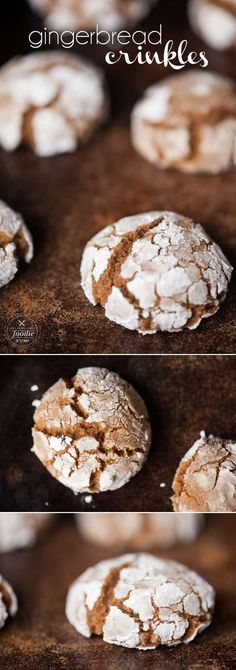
point(66, 199)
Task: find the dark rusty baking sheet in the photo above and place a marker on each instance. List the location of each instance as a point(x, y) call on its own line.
point(184, 395)
point(66, 199)
point(41, 638)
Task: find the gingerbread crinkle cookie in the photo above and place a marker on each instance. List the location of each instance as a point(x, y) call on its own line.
point(205, 480)
point(92, 432)
point(50, 102)
point(15, 243)
point(139, 601)
point(76, 14)
point(8, 601)
point(187, 122)
point(214, 21)
point(155, 271)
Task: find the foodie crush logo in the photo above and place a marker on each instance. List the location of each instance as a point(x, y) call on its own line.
point(138, 47)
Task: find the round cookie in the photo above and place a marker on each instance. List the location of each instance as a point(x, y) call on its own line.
point(205, 480)
point(187, 122)
point(92, 433)
point(139, 531)
point(76, 14)
point(155, 271)
point(15, 243)
point(19, 530)
point(8, 601)
point(50, 102)
point(214, 21)
point(139, 601)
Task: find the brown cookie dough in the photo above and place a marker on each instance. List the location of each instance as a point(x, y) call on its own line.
point(76, 14)
point(15, 243)
point(8, 601)
point(205, 480)
point(138, 531)
point(214, 21)
point(155, 271)
point(50, 102)
point(188, 122)
point(92, 433)
point(19, 530)
point(139, 601)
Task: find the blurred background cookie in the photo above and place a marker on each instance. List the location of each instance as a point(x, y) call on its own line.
point(139, 531)
point(187, 122)
point(8, 601)
point(19, 530)
point(214, 21)
point(50, 102)
point(76, 14)
point(16, 243)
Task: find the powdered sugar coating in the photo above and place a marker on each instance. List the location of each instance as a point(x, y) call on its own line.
point(8, 601)
point(205, 480)
point(187, 122)
point(92, 433)
point(50, 102)
point(155, 271)
point(19, 530)
point(76, 14)
point(139, 601)
point(139, 531)
point(214, 21)
point(15, 243)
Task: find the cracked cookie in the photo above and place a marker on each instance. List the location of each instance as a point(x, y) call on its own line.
point(205, 480)
point(76, 14)
point(19, 530)
point(187, 122)
point(15, 243)
point(214, 21)
point(139, 531)
point(50, 102)
point(92, 433)
point(139, 601)
point(8, 601)
point(155, 271)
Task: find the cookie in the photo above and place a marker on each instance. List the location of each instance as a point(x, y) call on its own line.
point(139, 601)
point(19, 530)
point(155, 271)
point(187, 122)
point(15, 243)
point(8, 601)
point(92, 433)
point(205, 480)
point(214, 21)
point(76, 14)
point(50, 102)
point(138, 531)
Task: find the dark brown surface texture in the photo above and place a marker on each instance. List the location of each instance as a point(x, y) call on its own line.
point(40, 636)
point(66, 199)
point(184, 395)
